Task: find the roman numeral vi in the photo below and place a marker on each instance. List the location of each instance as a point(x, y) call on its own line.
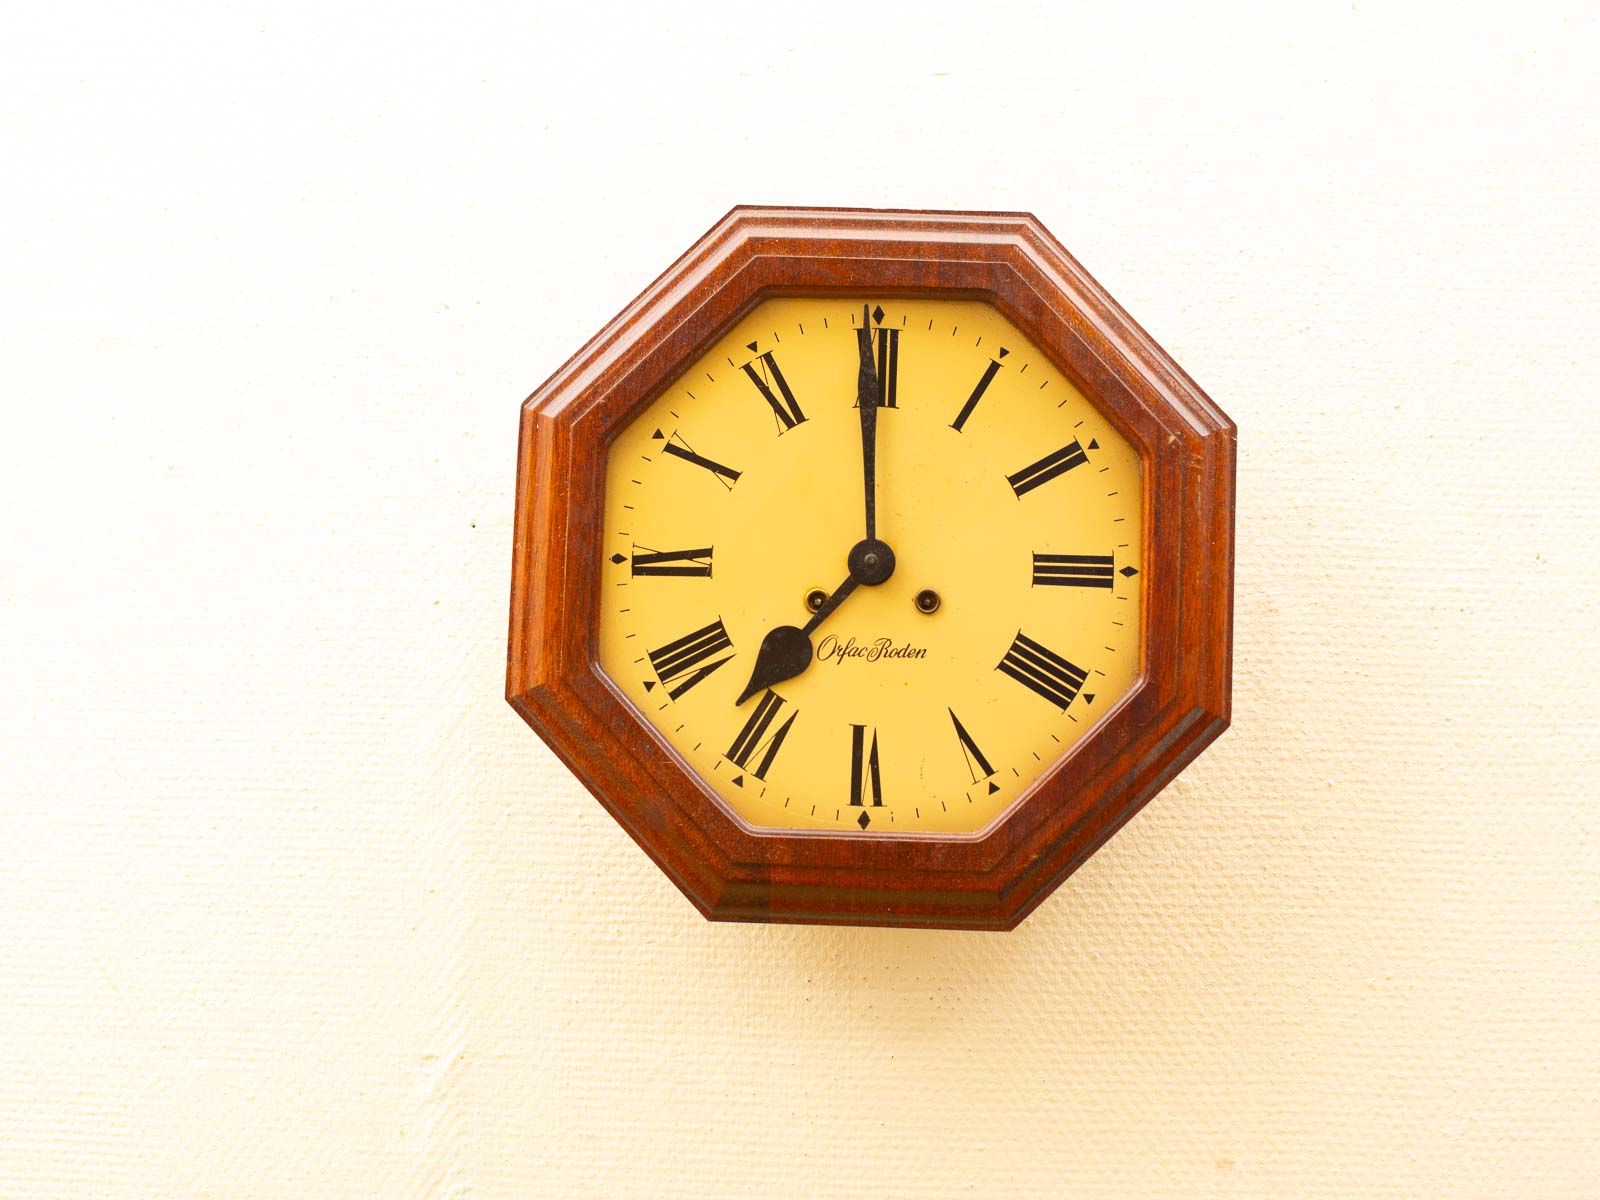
point(864, 775)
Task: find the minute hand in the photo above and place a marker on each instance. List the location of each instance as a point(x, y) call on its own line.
point(868, 399)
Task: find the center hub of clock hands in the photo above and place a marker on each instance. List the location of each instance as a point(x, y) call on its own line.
point(786, 651)
point(871, 562)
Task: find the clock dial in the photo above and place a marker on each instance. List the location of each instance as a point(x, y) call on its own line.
point(890, 619)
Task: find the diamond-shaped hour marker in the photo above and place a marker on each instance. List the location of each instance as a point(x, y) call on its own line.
point(619, 558)
point(877, 315)
point(864, 820)
point(1129, 572)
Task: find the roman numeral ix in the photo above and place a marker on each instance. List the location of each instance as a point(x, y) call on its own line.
point(683, 663)
point(696, 563)
point(1042, 671)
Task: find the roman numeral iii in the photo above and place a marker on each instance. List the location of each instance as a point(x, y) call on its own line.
point(1073, 570)
point(696, 563)
point(754, 739)
point(1047, 468)
point(1042, 671)
point(864, 777)
point(683, 663)
point(767, 377)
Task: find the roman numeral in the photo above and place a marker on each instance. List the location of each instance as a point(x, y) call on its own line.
point(787, 411)
point(683, 663)
point(970, 752)
point(888, 366)
point(679, 448)
point(864, 768)
point(1072, 570)
point(1042, 671)
point(1047, 468)
point(989, 373)
point(696, 563)
point(754, 739)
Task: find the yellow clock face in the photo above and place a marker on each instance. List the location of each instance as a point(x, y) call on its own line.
point(914, 676)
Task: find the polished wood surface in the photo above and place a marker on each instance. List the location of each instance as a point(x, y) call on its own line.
point(989, 881)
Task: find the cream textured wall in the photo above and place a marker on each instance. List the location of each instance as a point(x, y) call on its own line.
point(292, 905)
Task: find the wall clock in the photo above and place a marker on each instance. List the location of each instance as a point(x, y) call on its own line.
point(873, 567)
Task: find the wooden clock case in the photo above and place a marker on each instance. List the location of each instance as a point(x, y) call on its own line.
point(990, 880)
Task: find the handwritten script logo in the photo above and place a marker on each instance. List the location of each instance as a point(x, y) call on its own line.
point(874, 651)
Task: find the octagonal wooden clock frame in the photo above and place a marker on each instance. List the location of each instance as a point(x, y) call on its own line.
point(990, 880)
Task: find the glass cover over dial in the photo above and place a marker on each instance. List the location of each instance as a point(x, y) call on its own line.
point(872, 566)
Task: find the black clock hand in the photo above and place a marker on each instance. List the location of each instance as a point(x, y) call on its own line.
point(868, 400)
point(786, 651)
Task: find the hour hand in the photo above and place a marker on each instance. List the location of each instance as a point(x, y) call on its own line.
point(786, 651)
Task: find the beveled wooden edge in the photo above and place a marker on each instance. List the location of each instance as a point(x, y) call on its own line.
point(729, 871)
